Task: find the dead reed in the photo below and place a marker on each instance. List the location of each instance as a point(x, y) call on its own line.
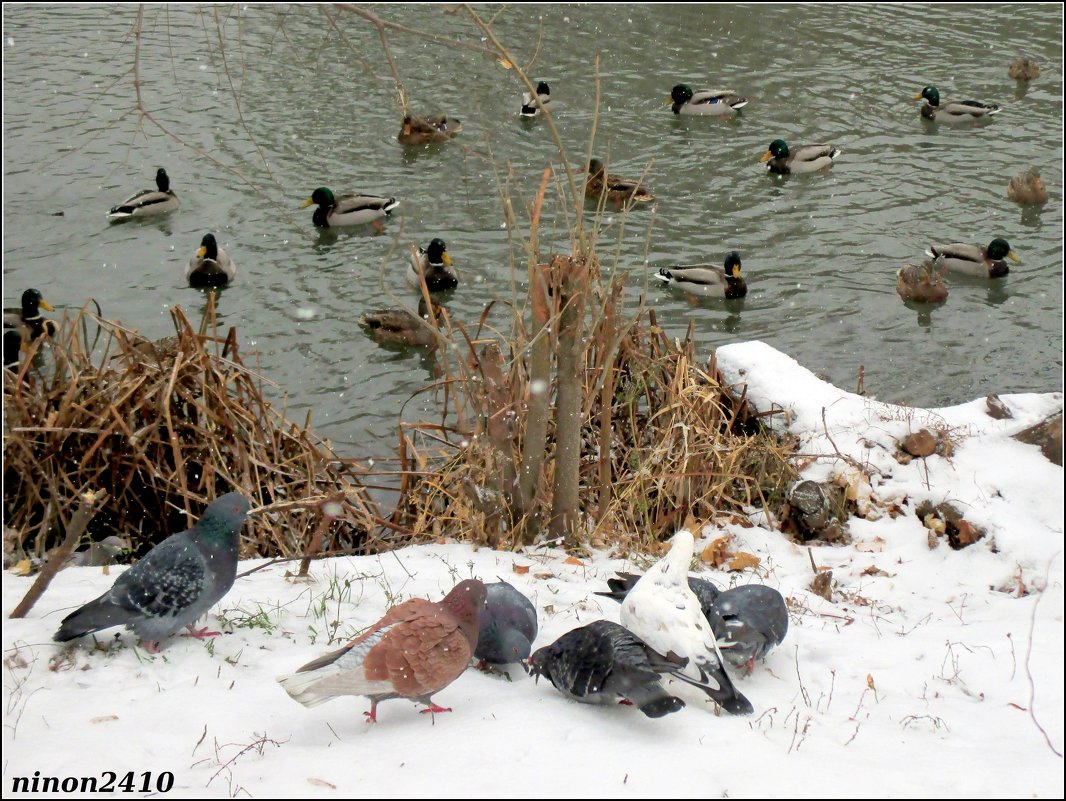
point(165, 427)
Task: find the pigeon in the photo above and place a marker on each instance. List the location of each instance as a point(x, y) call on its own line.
point(665, 613)
point(508, 626)
point(174, 584)
point(418, 648)
point(748, 621)
point(705, 591)
point(600, 662)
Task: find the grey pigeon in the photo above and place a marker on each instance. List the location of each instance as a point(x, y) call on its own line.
point(602, 662)
point(620, 586)
point(664, 612)
point(748, 621)
point(174, 584)
point(508, 626)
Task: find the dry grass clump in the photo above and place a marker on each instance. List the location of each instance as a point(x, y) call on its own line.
point(164, 428)
point(660, 439)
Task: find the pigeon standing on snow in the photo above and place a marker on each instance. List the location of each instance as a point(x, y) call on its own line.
point(174, 584)
point(601, 662)
point(665, 613)
point(418, 648)
point(508, 626)
point(748, 621)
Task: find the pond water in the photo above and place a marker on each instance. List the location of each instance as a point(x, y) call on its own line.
point(265, 103)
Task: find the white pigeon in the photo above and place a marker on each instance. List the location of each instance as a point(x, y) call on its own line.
point(664, 612)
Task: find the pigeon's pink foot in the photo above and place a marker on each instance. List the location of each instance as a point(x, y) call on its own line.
point(750, 664)
point(203, 633)
point(371, 716)
point(379, 227)
point(433, 708)
point(151, 646)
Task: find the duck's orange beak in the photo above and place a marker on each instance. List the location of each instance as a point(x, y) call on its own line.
point(767, 156)
point(308, 202)
point(44, 304)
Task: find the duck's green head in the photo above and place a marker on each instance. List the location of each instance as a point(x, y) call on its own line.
point(680, 94)
point(732, 264)
point(595, 167)
point(33, 302)
point(162, 180)
point(437, 253)
point(999, 249)
point(929, 93)
point(320, 197)
point(208, 247)
point(777, 150)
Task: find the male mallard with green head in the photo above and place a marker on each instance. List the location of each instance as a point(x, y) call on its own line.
point(435, 264)
point(953, 110)
point(616, 190)
point(805, 158)
point(24, 324)
point(708, 280)
point(349, 209)
point(718, 102)
point(980, 262)
point(210, 265)
point(147, 202)
point(531, 106)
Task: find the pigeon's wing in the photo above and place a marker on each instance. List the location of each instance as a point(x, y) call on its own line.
point(169, 579)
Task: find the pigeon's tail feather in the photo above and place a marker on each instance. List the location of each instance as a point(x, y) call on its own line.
point(620, 586)
point(301, 687)
point(94, 616)
point(662, 706)
point(716, 683)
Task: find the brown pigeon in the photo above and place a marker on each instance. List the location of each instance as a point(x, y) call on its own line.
point(418, 648)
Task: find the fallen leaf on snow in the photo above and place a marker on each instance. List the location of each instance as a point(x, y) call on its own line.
point(573, 560)
point(717, 552)
point(321, 783)
point(521, 569)
point(742, 561)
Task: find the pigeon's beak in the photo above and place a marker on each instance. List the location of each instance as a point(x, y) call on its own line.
point(527, 666)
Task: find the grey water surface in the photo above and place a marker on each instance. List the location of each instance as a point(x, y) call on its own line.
point(262, 104)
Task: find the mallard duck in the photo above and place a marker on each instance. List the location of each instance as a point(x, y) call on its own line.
point(350, 209)
point(400, 327)
point(806, 158)
point(147, 202)
point(435, 264)
point(531, 106)
point(708, 279)
point(616, 190)
point(1028, 188)
point(210, 265)
point(25, 324)
point(982, 262)
point(921, 283)
point(705, 101)
point(1023, 69)
point(420, 130)
point(953, 111)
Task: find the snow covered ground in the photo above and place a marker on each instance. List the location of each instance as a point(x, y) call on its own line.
point(931, 672)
